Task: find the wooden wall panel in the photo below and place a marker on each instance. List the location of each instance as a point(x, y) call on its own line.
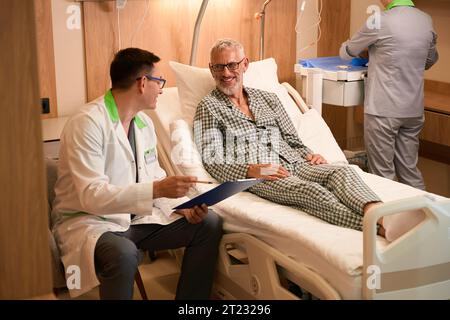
point(45, 54)
point(437, 96)
point(335, 27)
point(167, 31)
point(437, 128)
point(25, 269)
point(281, 38)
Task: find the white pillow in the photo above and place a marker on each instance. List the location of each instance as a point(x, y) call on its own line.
point(315, 134)
point(195, 83)
point(184, 153)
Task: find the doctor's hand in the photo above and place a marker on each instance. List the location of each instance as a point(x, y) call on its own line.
point(316, 159)
point(173, 187)
point(267, 171)
point(194, 215)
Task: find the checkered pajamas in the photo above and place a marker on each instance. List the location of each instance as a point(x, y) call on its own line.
point(229, 141)
point(335, 194)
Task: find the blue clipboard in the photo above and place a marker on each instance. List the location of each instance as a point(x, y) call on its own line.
point(219, 193)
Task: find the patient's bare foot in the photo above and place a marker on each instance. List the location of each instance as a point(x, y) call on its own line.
point(373, 205)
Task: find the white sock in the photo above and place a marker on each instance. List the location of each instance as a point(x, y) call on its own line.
point(398, 224)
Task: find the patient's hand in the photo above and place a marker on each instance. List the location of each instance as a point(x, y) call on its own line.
point(267, 171)
point(316, 159)
point(194, 215)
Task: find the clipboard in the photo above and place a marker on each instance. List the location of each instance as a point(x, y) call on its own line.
point(219, 193)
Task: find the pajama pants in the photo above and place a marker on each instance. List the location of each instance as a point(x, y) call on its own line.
point(335, 194)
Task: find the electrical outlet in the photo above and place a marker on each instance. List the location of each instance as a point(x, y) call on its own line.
point(45, 103)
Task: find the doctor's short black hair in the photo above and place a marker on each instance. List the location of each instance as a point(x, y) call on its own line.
point(129, 64)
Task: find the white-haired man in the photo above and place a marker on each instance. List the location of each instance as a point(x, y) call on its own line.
point(244, 132)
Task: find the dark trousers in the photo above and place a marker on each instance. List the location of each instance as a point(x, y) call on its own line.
point(117, 256)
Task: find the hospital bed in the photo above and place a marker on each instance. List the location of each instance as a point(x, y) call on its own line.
point(268, 249)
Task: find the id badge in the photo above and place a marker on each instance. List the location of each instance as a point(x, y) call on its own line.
point(150, 156)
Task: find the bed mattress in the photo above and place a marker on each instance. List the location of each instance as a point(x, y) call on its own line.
point(335, 253)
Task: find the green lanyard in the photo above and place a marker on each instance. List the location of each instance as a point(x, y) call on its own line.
point(397, 3)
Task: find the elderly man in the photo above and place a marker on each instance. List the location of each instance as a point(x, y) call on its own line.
point(244, 132)
point(402, 44)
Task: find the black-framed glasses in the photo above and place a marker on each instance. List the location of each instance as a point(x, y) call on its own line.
point(161, 81)
point(230, 66)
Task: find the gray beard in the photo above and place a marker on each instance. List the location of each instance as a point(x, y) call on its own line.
point(229, 91)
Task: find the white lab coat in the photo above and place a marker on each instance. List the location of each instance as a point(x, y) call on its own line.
point(96, 190)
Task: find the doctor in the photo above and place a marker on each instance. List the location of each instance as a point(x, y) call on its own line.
point(113, 198)
point(400, 48)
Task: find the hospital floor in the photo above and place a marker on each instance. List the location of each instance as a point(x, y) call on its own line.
point(160, 279)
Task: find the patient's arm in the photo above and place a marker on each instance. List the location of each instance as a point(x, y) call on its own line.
point(287, 130)
point(267, 171)
point(227, 172)
point(316, 159)
point(209, 140)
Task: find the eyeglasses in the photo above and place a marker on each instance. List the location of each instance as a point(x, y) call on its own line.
point(230, 66)
point(161, 81)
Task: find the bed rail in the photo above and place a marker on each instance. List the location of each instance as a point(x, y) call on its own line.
point(416, 265)
point(250, 269)
point(296, 97)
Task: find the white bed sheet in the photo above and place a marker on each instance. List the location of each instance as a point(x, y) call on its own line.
point(335, 253)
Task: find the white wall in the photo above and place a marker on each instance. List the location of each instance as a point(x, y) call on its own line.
point(69, 59)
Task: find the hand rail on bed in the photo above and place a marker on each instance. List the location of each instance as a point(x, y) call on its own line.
point(414, 266)
point(296, 97)
point(259, 276)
